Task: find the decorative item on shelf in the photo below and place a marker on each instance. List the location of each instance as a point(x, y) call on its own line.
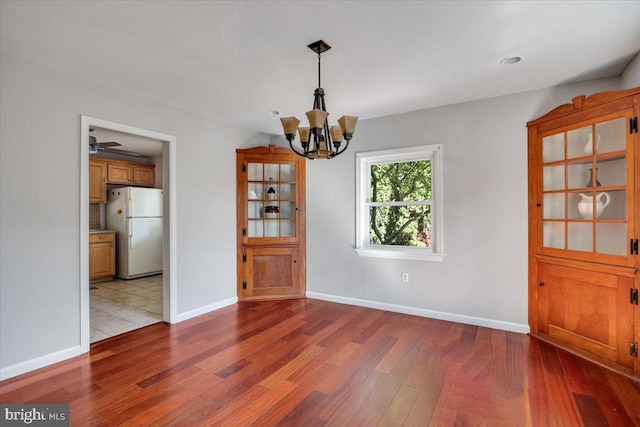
point(585, 206)
point(591, 178)
point(326, 141)
point(271, 211)
point(588, 148)
point(271, 192)
point(252, 195)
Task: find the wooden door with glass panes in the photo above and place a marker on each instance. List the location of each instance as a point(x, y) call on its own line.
point(584, 220)
point(271, 223)
point(587, 191)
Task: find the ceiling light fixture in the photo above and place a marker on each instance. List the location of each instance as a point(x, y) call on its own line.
point(326, 140)
point(510, 60)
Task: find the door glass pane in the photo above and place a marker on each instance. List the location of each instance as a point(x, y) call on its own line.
point(612, 172)
point(255, 210)
point(271, 211)
point(553, 178)
point(255, 191)
point(255, 228)
point(287, 192)
point(612, 135)
point(573, 201)
point(579, 175)
point(287, 172)
point(271, 228)
point(271, 190)
point(271, 171)
point(553, 206)
point(288, 228)
point(553, 148)
point(578, 142)
point(580, 236)
point(553, 234)
point(254, 171)
point(611, 239)
point(287, 210)
point(612, 204)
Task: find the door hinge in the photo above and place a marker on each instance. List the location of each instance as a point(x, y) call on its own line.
point(633, 349)
point(633, 296)
point(633, 125)
point(633, 246)
point(244, 232)
point(244, 168)
point(244, 257)
point(244, 286)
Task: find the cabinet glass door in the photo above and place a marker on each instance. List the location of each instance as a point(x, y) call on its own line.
point(271, 200)
point(584, 189)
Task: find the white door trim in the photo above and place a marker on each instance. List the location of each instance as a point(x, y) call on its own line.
point(169, 261)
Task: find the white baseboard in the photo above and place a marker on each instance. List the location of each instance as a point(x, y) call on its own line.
point(432, 314)
point(39, 362)
point(206, 309)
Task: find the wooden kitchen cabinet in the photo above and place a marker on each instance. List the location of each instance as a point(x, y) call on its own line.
point(102, 256)
point(119, 174)
point(143, 175)
point(271, 243)
point(126, 173)
point(97, 182)
point(584, 221)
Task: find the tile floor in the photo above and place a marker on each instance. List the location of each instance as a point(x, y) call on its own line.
point(121, 306)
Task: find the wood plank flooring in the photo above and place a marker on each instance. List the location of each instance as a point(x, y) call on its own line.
point(314, 363)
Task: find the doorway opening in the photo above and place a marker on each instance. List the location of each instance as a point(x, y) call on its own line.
point(116, 305)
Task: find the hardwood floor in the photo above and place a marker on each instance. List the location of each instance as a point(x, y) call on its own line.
point(314, 363)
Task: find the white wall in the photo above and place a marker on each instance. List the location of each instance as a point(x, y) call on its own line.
point(40, 203)
point(631, 75)
point(483, 279)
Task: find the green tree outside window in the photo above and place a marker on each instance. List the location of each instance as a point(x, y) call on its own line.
point(400, 208)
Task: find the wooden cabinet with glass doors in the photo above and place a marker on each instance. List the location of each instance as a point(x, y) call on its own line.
point(271, 223)
point(584, 221)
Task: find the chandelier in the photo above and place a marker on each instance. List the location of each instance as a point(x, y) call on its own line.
point(326, 140)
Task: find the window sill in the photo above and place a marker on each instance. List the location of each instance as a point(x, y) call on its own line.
point(399, 254)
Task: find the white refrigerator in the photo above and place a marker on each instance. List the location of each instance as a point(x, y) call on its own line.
point(135, 214)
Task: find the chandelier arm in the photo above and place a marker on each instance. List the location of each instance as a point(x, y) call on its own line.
point(296, 151)
point(337, 153)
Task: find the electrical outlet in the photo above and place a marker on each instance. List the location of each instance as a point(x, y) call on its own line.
point(405, 277)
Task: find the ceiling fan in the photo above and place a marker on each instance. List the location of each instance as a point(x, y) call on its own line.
point(95, 147)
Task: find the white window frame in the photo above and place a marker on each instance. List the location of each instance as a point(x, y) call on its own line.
point(364, 161)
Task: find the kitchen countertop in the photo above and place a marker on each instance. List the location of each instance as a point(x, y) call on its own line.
point(100, 231)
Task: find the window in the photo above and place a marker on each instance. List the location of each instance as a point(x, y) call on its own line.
point(399, 203)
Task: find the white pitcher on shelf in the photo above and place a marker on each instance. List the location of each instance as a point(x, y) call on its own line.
point(588, 148)
point(585, 206)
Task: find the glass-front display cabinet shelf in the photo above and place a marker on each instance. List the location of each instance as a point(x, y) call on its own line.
point(586, 199)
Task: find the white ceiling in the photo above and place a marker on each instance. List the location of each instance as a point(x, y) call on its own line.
point(146, 147)
point(235, 61)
